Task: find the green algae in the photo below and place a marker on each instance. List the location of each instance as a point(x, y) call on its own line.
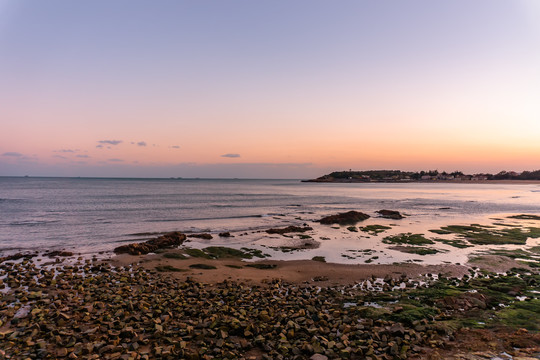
point(352, 229)
point(525, 217)
point(234, 266)
point(481, 235)
point(202, 266)
point(440, 231)
point(408, 238)
point(262, 266)
point(177, 256)
point(515, 254)
point(411, 313)
point(535, 249)
point(460, 244)
point(197, 253)
point(169, 268)
point(255, 252)
point(222, 252)
point(418, 250)
point(319, 258)
point(374, 229)
point(521, 314)
point(504, 224)
point(219, 252)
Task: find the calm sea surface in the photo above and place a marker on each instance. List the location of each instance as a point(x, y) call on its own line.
point(91, 215)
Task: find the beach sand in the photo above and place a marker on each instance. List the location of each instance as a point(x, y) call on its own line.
point(294, 271)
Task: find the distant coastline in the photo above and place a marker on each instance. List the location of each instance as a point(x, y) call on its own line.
point(432, 176)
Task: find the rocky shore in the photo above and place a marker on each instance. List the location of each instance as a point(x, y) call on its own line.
point(92, 310)
point(165, 299)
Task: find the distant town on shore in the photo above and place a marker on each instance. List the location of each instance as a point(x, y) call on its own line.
point(431, 175)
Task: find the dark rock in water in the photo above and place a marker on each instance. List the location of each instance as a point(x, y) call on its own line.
point(289, 229)
point(225, 234)
point(17, 256)
point(204, 236)
point(390, 214)
point(171, 239)
point(349, 217)
point(59, 253)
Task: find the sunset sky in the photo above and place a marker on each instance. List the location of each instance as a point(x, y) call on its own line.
point(267, 89)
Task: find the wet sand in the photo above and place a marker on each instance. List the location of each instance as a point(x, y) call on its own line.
point(294, 271)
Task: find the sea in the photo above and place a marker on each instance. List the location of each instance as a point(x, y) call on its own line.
point(94, 215)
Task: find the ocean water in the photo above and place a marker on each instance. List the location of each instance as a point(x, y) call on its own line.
point(89, 215)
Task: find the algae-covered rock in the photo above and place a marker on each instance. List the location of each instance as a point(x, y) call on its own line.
point(390, 214)
point(289, 229)
point(346, 218)
point(168, 240)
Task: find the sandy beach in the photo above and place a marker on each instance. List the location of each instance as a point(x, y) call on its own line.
point(294, 271)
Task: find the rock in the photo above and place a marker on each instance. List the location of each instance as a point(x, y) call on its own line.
point(225, 234)
point(318, 357)
point(17, 256)
point(59, 253)
point(204, 236)
point(289, 229)
point(171, 239)
point(390, 214)
point(347, 218)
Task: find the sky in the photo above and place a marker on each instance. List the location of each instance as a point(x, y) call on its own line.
point(267, 89)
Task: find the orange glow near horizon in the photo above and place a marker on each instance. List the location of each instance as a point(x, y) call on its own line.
point(397, 86)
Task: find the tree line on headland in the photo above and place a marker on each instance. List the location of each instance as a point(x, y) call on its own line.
point(430, 175)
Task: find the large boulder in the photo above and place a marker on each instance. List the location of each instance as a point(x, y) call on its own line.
point(289, 229)
point(204, 236)
point(390, 214)
point(346, 218)
point(168, 240)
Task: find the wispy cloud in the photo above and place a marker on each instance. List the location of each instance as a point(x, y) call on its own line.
point(66, 151)
point(230, 155)
point(110, 142)
point(59, 157)
point(115, 160)
point(175, 147)
point(141, 143)
point(13, 154)
point(82, 156)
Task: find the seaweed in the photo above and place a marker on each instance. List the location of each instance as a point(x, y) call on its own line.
point(481, 235)
point(262, 266)
point(177, 256)
point(219, 252)
point(197, 253)
point(169, 268)
point(234, 266)
point(408, 238)
point(202, 266)
point(440, 231)
point(525, 217)
point(522, 314)
point(460, 244)
point(374, 229)
point(419, 250)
